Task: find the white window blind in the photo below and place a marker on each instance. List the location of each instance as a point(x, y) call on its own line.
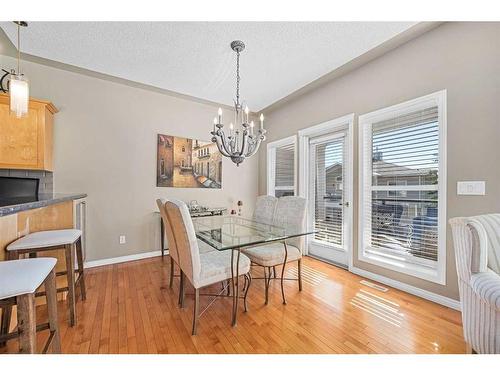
point(401, 187)
point(281, 167)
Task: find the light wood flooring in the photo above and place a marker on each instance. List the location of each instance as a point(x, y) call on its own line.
point(130, 309)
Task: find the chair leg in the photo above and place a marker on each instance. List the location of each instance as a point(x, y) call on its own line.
point(5, 327)
point(283, 274)
point(171, 282)
point(26, 323)
point(248, 282)
point(51, 294)
point(299, 272)
point(81, 274)
point(181, 290)
point(70, 274)
point(195, 311)
point(267, 279)
point(274, 271)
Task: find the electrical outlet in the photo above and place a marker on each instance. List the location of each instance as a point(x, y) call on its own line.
point(122, 240)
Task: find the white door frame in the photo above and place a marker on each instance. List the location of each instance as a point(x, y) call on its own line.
point(325, 128)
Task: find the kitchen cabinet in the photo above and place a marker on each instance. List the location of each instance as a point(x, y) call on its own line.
point(26, 143)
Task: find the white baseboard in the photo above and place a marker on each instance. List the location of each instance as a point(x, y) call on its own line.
point(126, 258)
point(445, 301)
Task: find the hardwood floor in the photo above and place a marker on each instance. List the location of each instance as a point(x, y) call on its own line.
point(130, 309)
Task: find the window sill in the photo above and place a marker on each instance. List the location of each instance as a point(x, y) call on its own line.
point(415, 270)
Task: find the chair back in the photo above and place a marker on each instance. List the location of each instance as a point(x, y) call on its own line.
point(290, 214)
point(172, 249)
point(265, 205)
point(185, 239)
point(477, 244)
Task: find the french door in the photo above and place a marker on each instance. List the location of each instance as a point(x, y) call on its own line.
point(328, 196)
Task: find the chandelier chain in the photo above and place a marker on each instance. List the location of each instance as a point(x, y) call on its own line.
point(18, 49)
point(238, 78)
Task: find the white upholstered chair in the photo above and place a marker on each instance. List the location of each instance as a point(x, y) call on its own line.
point(172, 250)
point(265, 205)
point(200, 268)
point(290, 213)
point(477, 252)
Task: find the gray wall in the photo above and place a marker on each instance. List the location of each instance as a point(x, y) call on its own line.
point(105, 146)
point(463, 58)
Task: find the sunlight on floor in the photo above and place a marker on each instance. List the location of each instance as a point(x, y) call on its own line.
point(379, 307)
point(309, 275)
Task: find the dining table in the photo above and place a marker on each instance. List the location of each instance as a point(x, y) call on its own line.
point(235, 233)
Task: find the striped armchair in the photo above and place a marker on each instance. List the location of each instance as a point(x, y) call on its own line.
point(477, 252)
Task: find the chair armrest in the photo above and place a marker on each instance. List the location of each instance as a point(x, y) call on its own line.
point(487, 286)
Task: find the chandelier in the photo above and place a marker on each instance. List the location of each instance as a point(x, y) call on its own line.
point(243, 141)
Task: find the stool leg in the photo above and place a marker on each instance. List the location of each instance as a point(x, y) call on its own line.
point(5, 327)
point(70, 268)
point(81, 275)
point(50, 290)
point(26, 322)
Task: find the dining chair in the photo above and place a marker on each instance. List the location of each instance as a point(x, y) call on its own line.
point(290, 213)
point(265, 205)
point(202, 269)
point(172, 250)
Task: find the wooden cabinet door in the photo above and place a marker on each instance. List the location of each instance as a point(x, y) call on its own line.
point(20, 139)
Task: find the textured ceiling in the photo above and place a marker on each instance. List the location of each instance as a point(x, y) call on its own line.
point(194, 58)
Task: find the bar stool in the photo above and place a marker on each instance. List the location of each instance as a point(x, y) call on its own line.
point(66, 239)
point(19, 280)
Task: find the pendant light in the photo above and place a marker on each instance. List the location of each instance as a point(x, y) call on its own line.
point(18, 84)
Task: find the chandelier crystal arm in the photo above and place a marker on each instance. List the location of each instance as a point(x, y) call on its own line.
point(221, 148)
point(244, 143)
point(227, 143)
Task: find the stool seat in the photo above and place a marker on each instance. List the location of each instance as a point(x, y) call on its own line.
point(23, 276)
point(48, 238)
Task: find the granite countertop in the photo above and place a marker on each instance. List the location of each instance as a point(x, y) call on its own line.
point(15, 205)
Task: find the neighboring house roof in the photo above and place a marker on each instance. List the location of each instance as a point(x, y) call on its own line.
point(382, 168)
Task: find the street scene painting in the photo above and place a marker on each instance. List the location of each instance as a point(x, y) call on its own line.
point(187, 163)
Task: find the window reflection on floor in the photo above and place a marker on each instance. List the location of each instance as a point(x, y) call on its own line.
point(309, 275)
point(379, 307)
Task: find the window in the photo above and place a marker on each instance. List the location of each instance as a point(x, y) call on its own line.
point(396, 193)
point(281, 170)
point(402, 188)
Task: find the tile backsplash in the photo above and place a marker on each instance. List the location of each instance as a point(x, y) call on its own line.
point(46, 178)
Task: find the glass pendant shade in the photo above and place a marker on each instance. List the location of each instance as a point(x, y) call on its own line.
point(19, 95)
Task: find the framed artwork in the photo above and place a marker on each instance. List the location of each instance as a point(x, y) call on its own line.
point(187, 163)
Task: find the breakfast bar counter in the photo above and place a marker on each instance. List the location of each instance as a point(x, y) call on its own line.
point(14, 205)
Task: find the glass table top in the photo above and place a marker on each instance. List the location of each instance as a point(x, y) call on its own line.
point(229, 232)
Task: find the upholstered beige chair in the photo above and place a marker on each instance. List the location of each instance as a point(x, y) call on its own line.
point(201, 269)
point(477, 252)
point(265, 205)
point(172, 250)
point(290, 213)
